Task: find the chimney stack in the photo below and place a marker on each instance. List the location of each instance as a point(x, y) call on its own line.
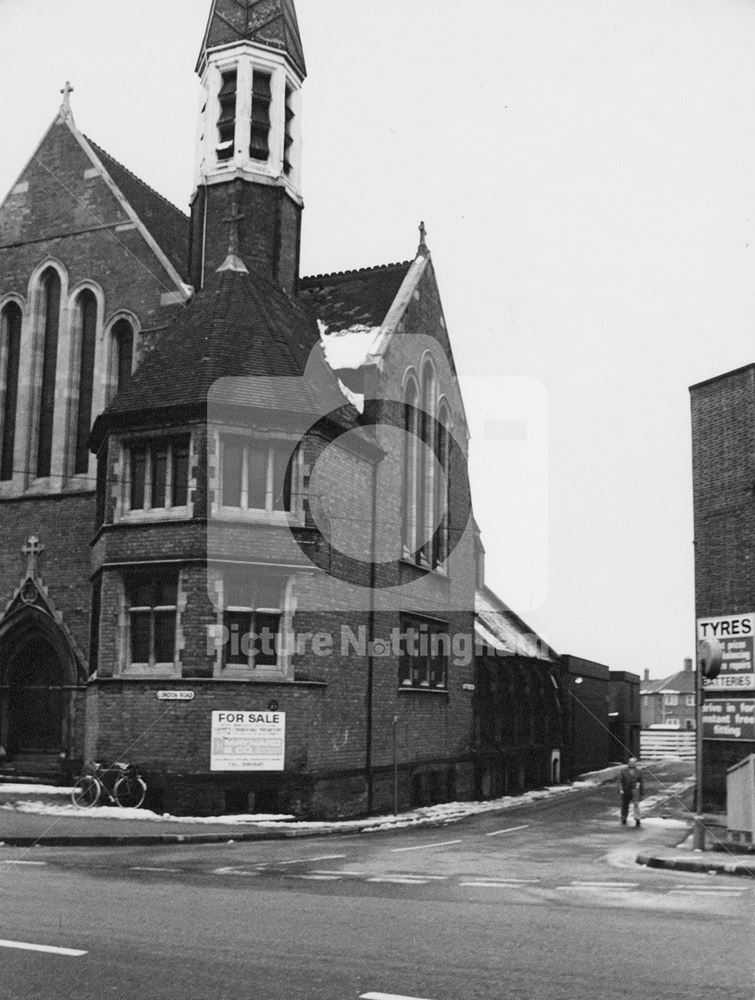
point(646, 678)
point(688, 665)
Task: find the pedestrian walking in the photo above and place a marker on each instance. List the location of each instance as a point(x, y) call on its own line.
point(630, 786)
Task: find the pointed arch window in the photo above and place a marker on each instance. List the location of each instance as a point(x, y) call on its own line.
point(50, 328)
point(442, 485)
point(86, 339)
point(426, 469)
point(10, 350)
point(411, 452)
point(122, 354)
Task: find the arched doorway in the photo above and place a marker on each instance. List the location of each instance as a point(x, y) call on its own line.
point(35, 687)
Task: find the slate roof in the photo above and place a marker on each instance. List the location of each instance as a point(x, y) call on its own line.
point(168, 225)
point(241, 329)
point(271, 23)
point(682, 682)
point(500, 627)
point(351, 298)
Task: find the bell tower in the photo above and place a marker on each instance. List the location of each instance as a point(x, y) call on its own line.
point(249, 141)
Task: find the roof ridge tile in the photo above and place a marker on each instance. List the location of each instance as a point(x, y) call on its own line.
point(103, 152)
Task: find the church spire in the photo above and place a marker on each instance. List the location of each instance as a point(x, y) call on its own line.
point(269, 23)
point(249, 143)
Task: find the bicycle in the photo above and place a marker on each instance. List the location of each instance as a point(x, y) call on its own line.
point(127, 789)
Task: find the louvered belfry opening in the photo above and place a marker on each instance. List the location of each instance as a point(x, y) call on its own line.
point(227, 116)
point(259, 148)
point(289, 131)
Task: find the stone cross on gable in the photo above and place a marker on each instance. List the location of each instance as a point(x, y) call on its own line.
point(422, 238)
point(32, 550)
point(65, 107)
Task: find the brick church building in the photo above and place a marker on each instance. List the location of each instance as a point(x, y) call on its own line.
point(235, 523)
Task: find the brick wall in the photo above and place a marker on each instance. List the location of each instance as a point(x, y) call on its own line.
point(723, 444)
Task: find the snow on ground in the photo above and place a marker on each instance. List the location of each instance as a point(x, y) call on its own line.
point(34, 790)
point(447, 812)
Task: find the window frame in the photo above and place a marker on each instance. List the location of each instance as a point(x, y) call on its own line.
point(149, 443)
point(152, 666)
point(268, 514)
point(261, 583)
point(409, 674)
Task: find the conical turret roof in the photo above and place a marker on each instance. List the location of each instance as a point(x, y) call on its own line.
point(270, 23)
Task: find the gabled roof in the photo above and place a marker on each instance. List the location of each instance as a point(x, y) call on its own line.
point(168, 225)
point(271, 23)
point(497, 626)
point(682, 682)
point(353, 298)
point(240, 332)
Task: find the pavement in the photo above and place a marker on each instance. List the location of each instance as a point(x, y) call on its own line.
point(28, 819)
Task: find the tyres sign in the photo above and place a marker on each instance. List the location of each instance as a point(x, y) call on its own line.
point(248, 741)
point(736, 634)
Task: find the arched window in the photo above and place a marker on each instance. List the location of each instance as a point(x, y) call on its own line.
point(10, 351)
point(411, 452)
point(86, 339)
point(122, 348)
point(442, 485)
point(49, 328)
point(426, 471)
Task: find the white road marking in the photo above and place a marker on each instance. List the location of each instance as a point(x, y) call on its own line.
point(48, 949)
point(604, 885)
point(511, 883)
point(302, 861)
point(136, 868)
point(397, 880)
point(385, 996)
point(425, 847)
point(24, 862)
point(511, 829)
point(337, 871)
point(234, 871)
point(317, 878)
point(710, 893)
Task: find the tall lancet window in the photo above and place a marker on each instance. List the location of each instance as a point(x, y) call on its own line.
point(10, 350)
point(86, 338)
point(49, 326)
point(442, 485)
point(427, 465)
point(411, 453)
point(121, 355)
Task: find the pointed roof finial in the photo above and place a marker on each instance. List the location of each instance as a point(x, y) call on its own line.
point(423, 248)
point(66, 115)
point(233, 262)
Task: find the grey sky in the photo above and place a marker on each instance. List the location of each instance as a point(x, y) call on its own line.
point(585, 170)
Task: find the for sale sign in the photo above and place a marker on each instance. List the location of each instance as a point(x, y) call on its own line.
point(736, 634)
point(248, 741)
point(729, 719)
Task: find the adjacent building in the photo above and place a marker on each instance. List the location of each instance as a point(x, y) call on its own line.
point(723, 443)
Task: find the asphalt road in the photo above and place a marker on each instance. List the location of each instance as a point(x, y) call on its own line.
point(543, 903)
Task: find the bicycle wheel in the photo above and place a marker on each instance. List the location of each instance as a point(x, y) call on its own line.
point(129, 791)
point(86, 792)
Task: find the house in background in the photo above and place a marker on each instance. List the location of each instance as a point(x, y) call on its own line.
point(669, 702)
